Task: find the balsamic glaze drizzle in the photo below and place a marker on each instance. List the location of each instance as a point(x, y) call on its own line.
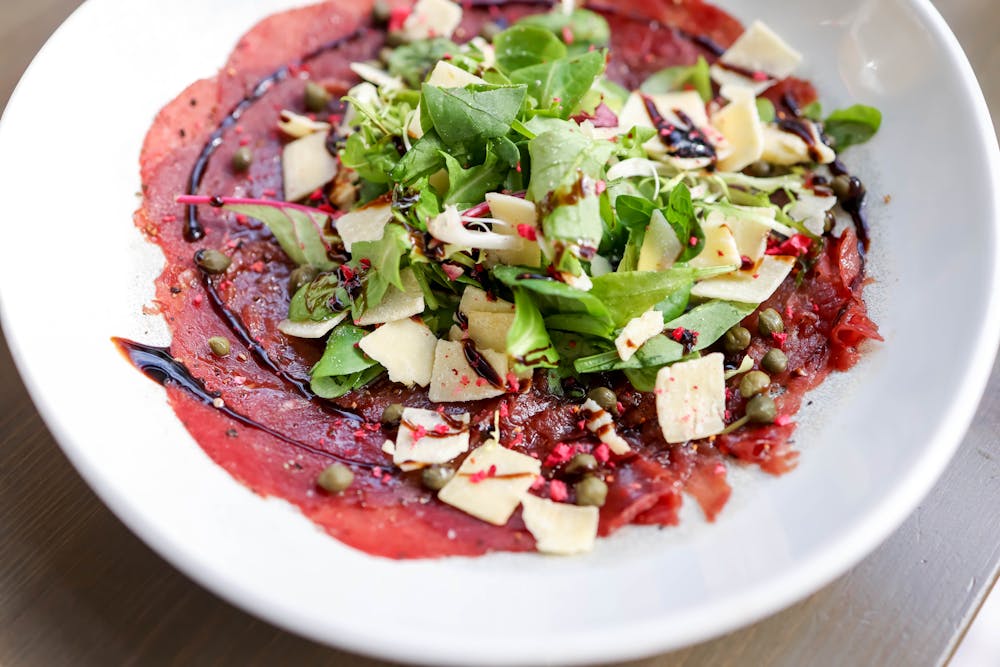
point(480, 365)
point(157, 364)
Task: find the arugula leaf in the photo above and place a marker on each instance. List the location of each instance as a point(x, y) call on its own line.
point(310, 303)
point(560, 156)
point(472, 114)
point(630, 294)
point(524, 45)
point(712, 320)
point(423, 159)
point(343, 366)
point(528, 341)
point(556, 298)
point(853, 125)
point(679, 78)
point(411, 62)
point(586, 28)
point(681, 216)
point(337, 386)
point(468, 187)
point(561, 84)
point(373, 158)
point(385, 256)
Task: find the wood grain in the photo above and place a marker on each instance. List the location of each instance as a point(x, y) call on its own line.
point(76, 587)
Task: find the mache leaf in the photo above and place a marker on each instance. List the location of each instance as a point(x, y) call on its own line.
point(473, 114)
point(853, 125)
point(560, 84)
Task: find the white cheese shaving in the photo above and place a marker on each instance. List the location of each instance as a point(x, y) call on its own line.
point(446, 75)
point(745, 367)
point(406, 349)
point(389, 447)
point(514, 211)
point(785, 148)
point(720, 249)
point(298, 126)
point(660, 246)
point(477, 300)
point(810, 210)
point(637, 331)
point(739, 123)
point(751, 286)
point(558, 528)
point(749, 233)
point(601, 266)
point(448, 227)
point(364, 224)
point(306, 165)
point(377, 76)
point(635, 114)
point(758, 49)
point(453, 380)
point(691, 399)
point(427, 437)
point(310, 329)
point(599, 421)
point(491, 482)
point(396, 304)
point(364, 93)
point(489, 330)
point(431, 18)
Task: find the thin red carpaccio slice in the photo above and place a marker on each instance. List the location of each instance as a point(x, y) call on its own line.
point(387, 513)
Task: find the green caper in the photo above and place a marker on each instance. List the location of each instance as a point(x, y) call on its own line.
point(829, 222)
point(381, 11)
point(300, 277)
point(759, 169)
point(754, 383)
point(761, 409)
point(212, 261)
point(490, 30)
point(605, 398)
point(581, 463)
point(775, 361)
point(736, 340)
point(317, 97)
point(841, 186)
point(591, 490)
point(769, 322)
point(242, 159)
point(335, 478)
point(392, 414)
point(219, 345)
point(435, 477)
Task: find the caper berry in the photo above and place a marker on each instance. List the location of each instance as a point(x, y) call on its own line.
point(219, 345)
point(759, 169)
point(736, 340)
point(591, 490)
point(774, 361)
point(381, 11)
point(300, 277)
point(212, 261)
point(490, 30)
point(317, 97)
point(335, 478)
point(769, 322)
point(435, 477)
point(754, 383)
point(242, 159)
point(581, 463)
point(761, 409)
point(392, 414)
point(605, 398)
point(841, 186)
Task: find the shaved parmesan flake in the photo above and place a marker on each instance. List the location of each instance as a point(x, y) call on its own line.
point(454, 380)
point(389, 447)
point(689, 102)
point(310, 329)
point(739, 123)
point(751, 286)
point(489, 330)
point(810, 210)
point(519, 214)
point(749, 233)
point(406, 349)
point(455, 333)
point(558, 528)
point(491, 483)
point(758, 49)
point(431, 18)
point(428, 437)
point(448, 227)
point(785, 148)
point(660, 246)
point(364, 224)
point(745, 367)
point(298, 126)
point(306, 165)
point(691, 399)
point(477, 300)
point(446, 75)
point(637, 332)
point(598, 421)
point(376, 76)
point(720, 249)
point(601, 266)
point(396, 305)
point(364, 93)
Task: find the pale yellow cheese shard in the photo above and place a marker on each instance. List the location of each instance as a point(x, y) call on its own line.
point(749, 233)
point(477, 300)
point(720, 249)
point(453, 380)
point(810, 210)
point(758, 49)
point(785, 148)
point(396, 304)
point(406, 348)
point(310, 329)
point(426, 437)
point(514, 211)
point(558, 528)
point(446, 75)
point(635, 114)
point(751, 286)
point(599, 421)
point(432, 18)
point(489, 330)
point(363, 224)
point(739, 123)
point(691, 399)
point(306, 165)
point(660, 245)
point(491, 482)
point(637, 331)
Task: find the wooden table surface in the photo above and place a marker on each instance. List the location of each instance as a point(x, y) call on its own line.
point(76, 587)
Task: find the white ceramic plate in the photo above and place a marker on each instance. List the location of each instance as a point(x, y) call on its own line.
point(68, 173)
